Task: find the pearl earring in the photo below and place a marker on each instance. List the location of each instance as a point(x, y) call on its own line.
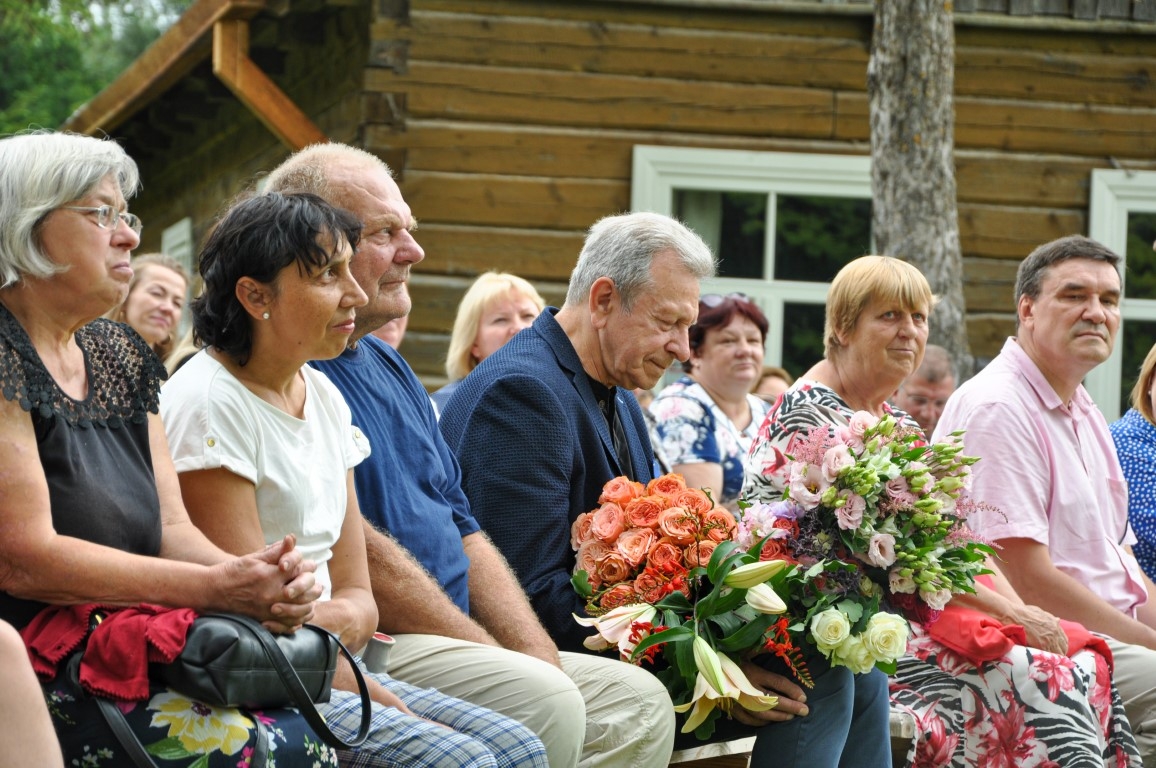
point(266, 315)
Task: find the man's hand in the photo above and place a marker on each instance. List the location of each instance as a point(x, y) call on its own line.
point(792, 699)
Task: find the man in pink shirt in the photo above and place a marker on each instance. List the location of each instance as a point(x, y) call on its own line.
point(1054, 494)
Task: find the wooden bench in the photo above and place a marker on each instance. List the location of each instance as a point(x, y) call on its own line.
point(736, 754)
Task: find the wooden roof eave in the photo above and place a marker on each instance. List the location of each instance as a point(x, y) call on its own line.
point(216, 28)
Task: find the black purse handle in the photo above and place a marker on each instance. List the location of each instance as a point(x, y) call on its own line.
point(301, 697)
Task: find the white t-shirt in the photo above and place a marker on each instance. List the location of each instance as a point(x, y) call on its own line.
point(297, 465)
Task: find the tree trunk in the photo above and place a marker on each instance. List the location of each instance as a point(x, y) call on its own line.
point(910, 79)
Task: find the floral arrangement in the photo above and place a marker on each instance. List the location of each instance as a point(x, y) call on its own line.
point(871, 518)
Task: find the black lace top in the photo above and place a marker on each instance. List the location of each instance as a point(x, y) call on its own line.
point(95, 452)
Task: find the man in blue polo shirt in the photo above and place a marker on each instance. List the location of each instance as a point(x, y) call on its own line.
point(461, 620)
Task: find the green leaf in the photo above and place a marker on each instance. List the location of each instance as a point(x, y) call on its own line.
point(715, 569)
point(581, 583)
point(671, 635)
point(675, 601)
point(168, 749)
point(727, 622)
point(706, 728)
point(747, 635)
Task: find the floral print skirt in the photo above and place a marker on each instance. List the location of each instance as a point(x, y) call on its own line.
point(179, 732)
point(1030, 708)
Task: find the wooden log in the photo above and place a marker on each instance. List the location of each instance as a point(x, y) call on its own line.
point(1012, 233)
point(583, 100)
point(467, 251)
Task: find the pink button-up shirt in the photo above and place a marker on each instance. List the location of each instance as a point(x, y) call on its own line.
point(1049, 469)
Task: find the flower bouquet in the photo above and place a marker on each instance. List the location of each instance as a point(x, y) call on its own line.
point(871, 518)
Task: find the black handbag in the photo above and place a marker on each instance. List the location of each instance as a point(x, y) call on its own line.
point(233, 661)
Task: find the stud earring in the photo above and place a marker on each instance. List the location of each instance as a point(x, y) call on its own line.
point(265, 316)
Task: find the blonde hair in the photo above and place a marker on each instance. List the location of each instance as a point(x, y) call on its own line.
point(165, 346)
point(488, 287)
point(864, 280)
point(1140, 399)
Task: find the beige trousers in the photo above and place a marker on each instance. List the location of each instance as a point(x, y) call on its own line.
point(1134, 672)
point(597, 713)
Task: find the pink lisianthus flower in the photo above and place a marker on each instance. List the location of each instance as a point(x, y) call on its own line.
point(899, 490)
point(806, 485)
point(881, 550)
point(837, 458)
point(850, 515)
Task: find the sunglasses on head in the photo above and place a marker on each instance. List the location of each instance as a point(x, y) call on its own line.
point(713, 300)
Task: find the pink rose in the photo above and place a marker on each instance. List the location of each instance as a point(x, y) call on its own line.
point(664, 553)
point(634, 544)
point(699, 553)
point(679, 525)
point(608, 523)
point(643, 512)
point(620, 491)
point(580, 529)
point(587, 558)
point(694, 500)
point(719, 524)
point(612, 568)
point(668, 486)
point(850, 515)
point(881, 550)
point(860, 422)
point(835, 460)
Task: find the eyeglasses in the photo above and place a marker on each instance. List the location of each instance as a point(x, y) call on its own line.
point(108, 217)
point(713, 300)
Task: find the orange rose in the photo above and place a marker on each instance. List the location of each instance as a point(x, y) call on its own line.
point(776, 549)
point(608, 522)
point(664, 553)
point(719, 524)
point(587, 559)
point(667, 486)
point(634, 544)
point(580, 529)
point(649, 587)
point(699, 553)
point(695, 500)
point(612, 568)
point(620, 491)
point(619, 594)
point(678, 524)
point(643, 511)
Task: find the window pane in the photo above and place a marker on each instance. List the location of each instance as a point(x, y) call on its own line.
point(732, 223)
point(816, 236)
point(1140, 280)
point(802, 336)
point(1137, 338)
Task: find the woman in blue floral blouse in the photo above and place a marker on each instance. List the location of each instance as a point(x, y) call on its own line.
point(1135, 436)
point(707, 420)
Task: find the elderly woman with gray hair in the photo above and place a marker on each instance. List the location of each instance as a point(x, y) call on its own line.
point(90, 508)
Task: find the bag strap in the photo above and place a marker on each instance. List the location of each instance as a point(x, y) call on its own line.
point(140, 756)
point(301, 697)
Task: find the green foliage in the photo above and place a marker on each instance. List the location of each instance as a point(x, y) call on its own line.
point(58, 54)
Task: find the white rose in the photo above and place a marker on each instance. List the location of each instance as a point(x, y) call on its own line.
point(830, 628)
point(886, 636)
point(854, 654)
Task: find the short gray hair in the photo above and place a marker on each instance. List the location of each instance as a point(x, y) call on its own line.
point(1030, 275)
point(39, 172)
point(310, 170)
point(622, 248)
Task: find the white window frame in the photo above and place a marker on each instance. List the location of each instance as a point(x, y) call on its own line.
point(1113, 195)
point(658, 171)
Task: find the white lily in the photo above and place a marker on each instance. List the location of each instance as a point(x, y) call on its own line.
point(765, 600)
point(746, 576)
point(614, 626)
point(728, 686)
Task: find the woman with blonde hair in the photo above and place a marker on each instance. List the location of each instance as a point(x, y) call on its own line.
point(974, 703)
point(495, 307)
point(1135, 437)
point(156, 298)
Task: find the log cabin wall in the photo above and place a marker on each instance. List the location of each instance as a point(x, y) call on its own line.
point(513, 123)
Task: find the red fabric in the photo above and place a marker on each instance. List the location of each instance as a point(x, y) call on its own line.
point(120, 648)
point(978, 637)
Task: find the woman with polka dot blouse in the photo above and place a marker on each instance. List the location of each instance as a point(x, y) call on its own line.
point(1135, 436)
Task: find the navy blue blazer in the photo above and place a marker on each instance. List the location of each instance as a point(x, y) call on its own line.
point(535, 451)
